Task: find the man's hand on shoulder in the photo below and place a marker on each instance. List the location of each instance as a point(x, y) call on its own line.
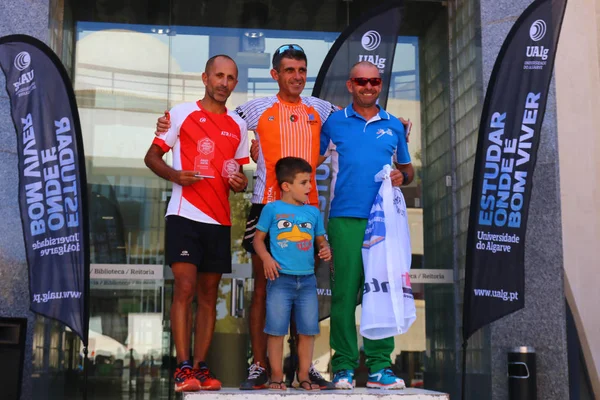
point(407, 127)
point(163, 124)
point(254, 150)
point(238, 182)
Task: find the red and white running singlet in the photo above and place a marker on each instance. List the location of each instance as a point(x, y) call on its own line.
point(284, 130)
point(198, 137)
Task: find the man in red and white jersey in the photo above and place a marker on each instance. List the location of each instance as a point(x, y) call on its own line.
point(209, 145)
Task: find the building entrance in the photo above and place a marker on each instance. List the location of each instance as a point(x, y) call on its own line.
point(131, 64)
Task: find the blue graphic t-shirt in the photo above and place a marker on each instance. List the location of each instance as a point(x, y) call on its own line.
point(292, 230)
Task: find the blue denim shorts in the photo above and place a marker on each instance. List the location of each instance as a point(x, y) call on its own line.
point(299, 291)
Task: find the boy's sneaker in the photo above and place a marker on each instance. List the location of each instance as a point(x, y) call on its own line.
point(385, 379)
point(206, 378)
point(185, 380)
point(344, 379)
point(257, 378)
point(317, 378)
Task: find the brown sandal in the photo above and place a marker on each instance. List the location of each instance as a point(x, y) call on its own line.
point(308, 386)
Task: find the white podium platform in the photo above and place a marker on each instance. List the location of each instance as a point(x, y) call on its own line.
point(294, 394)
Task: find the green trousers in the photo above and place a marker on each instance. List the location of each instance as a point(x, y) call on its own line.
point(347, 282)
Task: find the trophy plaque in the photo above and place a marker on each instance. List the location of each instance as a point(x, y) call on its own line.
point(203, 161)
point(229, 168)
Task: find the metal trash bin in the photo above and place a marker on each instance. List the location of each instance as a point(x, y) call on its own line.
point(522, 382)
point(12, 352)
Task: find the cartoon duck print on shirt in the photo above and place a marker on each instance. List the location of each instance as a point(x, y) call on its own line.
point(297, 232)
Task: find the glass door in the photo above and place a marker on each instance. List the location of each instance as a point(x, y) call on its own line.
point(129, 69)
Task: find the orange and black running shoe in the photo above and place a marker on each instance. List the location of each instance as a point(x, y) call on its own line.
point(206, 378)
point(185, 379)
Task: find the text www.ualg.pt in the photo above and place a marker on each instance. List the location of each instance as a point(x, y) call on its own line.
point(45, 297)
point(498, 294)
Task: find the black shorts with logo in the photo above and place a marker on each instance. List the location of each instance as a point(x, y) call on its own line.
point(251, 223)
point(208, 246)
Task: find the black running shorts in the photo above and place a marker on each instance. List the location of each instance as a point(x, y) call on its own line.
point(251, 223)
point(208, 246)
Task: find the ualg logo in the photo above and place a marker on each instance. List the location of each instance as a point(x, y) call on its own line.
point(537, 30)
point(25, 84)
point(537, 55)
point(22, 60)
point(537, 52)
point(379, 62)
point(370, 41)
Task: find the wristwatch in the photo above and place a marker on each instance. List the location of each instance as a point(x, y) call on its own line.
point(405, 178)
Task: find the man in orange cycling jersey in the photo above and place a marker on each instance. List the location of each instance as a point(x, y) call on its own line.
point(286, 125)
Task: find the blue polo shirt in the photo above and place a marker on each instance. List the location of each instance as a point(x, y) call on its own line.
point(362, 148)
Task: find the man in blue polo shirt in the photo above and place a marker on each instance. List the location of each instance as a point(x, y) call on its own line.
point(365, 138)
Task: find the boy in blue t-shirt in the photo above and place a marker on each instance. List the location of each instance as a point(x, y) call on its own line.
point(294, 229)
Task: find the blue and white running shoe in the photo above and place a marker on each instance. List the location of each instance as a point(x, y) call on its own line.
point(385, 379)
point(344, 379)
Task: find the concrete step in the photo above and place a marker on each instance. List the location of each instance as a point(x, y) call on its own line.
point(294, 394)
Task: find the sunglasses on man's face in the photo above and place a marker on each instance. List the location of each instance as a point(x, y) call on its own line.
point(287, 47)
point(364, 81)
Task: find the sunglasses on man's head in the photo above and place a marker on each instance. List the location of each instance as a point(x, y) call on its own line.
point(287, 47)
point(364, 81)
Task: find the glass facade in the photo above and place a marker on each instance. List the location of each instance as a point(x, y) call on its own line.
point(130, 61)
